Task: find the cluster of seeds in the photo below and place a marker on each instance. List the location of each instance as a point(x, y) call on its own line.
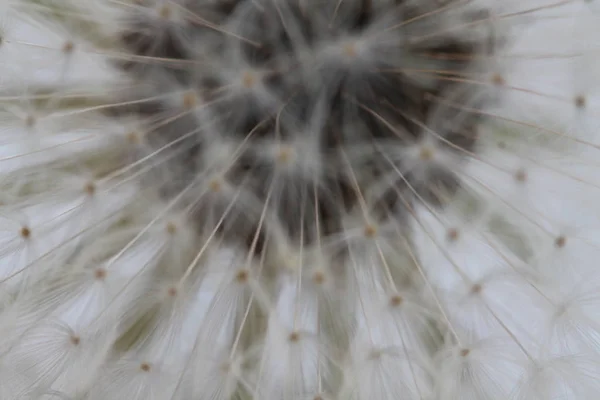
point(312, 109)
point(299, 200)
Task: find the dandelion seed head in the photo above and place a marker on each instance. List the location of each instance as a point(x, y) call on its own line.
point(299, 199)
point(315, 85)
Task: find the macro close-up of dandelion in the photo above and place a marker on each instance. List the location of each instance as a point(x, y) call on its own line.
point(299, 199)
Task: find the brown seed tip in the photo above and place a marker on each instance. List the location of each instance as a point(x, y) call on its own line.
point(464, 352)
point(498, 79)
point(145, 367)
point(318, 277)
point(426, 154)
point(452, 234)
point(580, 101)
point(190, 100)
point(396, 300)
point(171, 228)
point(90, 188)
point(68, 47)
point(25, 232)
point(242, 276)
point(294, 337)
point(476, 288)
point(284, 155)
point(560, 242)
point(370, 231)
point(133, 138)
point(350, 50)
point(100, 273)
point(172, 291)
point(225, 367)
point(248, 79)
point(521, 175)
point(75, 340)
point(30, 121)
point(164, 12)
point(215, 185)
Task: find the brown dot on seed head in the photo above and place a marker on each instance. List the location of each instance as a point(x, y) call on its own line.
point(145, 367)
point(133, 138)
point(580, 101)
point(225, 367)
point(172, 291)
point(502, 144)
point(30, 121)
point(294, 337)
point(75, 340)
point(189, 100)
point(521, 175)
point(165, 11)
point(476, 288)
point(560, 241)
point(426, 153)
point(561, 309)
point(318, 277)
point(68, 47)
point(100, 273)
point(375, 354)
point(498, 79)
point(318, 397)
point(350, 49)
point(90, 188)
point(248, 79)
point(242, 276)
point(396, 300)
point(171, 228)
point(464, 352)
point(452, 234)
point(25, 232)
point(284, 155)
point(215, 185)
point(370, 231)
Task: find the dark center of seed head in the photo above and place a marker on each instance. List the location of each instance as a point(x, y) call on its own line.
point(361, 108)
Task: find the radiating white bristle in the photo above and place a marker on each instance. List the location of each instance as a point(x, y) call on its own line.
point(160, 239)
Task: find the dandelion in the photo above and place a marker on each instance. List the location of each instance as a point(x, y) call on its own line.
point(299, 199)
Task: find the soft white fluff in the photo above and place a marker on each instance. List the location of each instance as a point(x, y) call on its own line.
point(109, 291)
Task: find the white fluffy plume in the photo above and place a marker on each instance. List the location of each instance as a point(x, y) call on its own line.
point(299, 199)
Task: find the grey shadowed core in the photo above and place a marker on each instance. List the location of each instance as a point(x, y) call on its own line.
point(352, 80)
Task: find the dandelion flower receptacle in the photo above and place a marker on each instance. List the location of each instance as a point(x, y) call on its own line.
point(299, 199)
